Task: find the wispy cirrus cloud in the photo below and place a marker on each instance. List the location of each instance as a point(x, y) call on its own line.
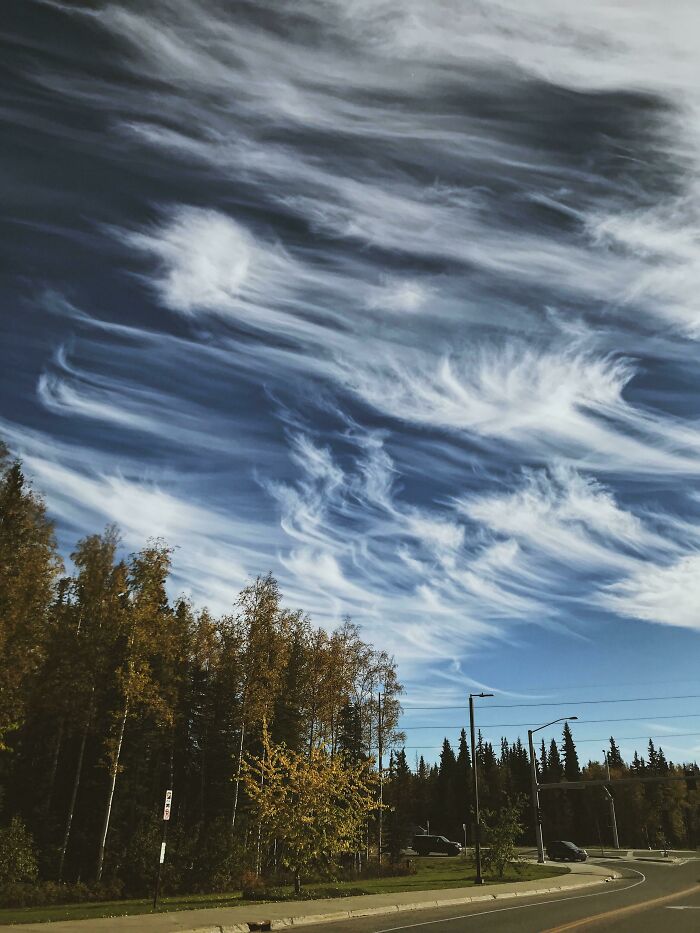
point(666, 593)
point(569, 518)
point(395, 299)
point(554, 400)
point(214, 552)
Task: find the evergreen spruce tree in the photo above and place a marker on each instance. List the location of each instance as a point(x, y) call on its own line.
point(350, 734)
point(29, 569)
point(572, 769)
point(614, 757)
point(421, 796)
point(449, 794)
point(398, 795)
point(542, 765)
point(556, 810)
point(464, 788)
point(572, 772)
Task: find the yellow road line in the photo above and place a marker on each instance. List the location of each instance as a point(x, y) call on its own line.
point(623, 911)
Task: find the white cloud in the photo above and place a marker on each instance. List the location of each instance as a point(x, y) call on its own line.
point(316, 462)
point(207, 261)
point(438, 534)
point(553, 401)
point(667, 239)
point(411, 50)
point(668, 594)
point(566, 518)
point(565, 402)
point(318, 568)
point(60, 397)
point(399, 295)
point(354, 307)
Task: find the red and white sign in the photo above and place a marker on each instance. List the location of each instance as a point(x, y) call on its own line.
point(168, 802)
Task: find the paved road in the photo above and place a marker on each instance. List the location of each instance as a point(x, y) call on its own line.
point(649, 899)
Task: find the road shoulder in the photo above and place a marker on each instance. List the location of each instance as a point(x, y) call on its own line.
point(306, 913)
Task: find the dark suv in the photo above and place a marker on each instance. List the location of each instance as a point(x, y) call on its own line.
point(565, 852)
point(425, 845)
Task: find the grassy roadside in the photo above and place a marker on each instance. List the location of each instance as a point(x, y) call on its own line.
point(431, 873)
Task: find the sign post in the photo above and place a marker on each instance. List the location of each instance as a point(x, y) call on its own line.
point(161, 857)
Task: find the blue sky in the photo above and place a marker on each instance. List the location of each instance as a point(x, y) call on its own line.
point(397, 300)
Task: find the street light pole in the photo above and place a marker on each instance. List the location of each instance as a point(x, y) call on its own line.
point(534, 794)
point(611, 800)
point(535, 800)
point(475, 781)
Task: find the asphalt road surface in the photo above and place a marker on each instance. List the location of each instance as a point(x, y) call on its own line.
point(650, 898)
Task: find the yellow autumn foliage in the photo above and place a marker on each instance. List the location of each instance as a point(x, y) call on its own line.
point(315, 805)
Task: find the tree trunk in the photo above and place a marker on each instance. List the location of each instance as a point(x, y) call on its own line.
point(76, 784)
point(297, 881)
point(112, 785)
point(312, 726)
point(54, 766)
point(71, 805)
point(262, 784)
point(203, 774)
point(238, 779)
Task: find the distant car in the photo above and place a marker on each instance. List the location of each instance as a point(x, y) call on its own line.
point(565, 852)
point(427, 845)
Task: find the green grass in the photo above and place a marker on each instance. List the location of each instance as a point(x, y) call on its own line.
point(95, 909)
point(431, 873)
point(452, 873)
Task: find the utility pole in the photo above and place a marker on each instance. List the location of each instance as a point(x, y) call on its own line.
point(534, 787)
point(475, 780)
point(611, 801)
point(381, 774)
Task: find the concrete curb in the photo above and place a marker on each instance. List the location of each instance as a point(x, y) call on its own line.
point(310, 919)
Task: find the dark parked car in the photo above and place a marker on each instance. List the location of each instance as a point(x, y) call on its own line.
point(565, 852)
point(426, 845)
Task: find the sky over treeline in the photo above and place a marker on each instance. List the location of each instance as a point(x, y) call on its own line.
point(397, 300)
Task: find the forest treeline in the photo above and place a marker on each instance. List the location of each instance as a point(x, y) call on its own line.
point(648, 814)
point(112, 692)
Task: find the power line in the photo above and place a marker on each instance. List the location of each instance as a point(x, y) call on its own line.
point(570, 686)
point(685, 696)
point(619, 683)
point(629, 738)
point(619, 738)
point(508, 725)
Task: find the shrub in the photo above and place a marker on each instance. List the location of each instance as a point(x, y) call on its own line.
point(217, 861)
point(140, 859)
point(23, 894)
point(502, 830)
point(252, 885)
point(18, 860)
